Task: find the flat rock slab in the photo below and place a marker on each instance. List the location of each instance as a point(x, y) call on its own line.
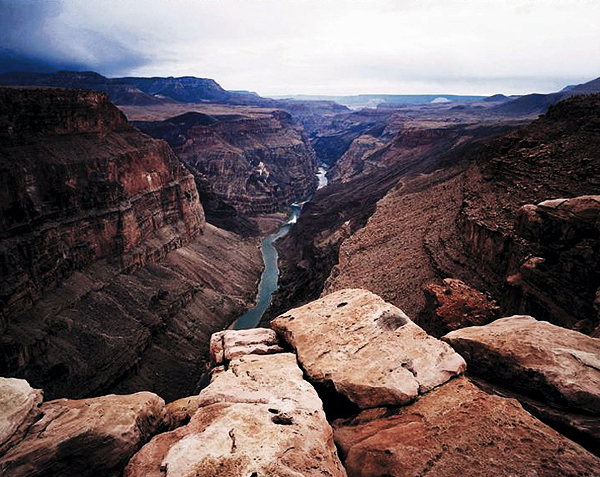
point(86, 437)
point(257, 418)
point(18, 410)
point(273, 379)
point(458, 430)
point(229, 344)
point(368, 349)
point(550, 363)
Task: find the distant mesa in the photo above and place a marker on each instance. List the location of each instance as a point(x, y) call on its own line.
point(496, 98)
point(536, 103)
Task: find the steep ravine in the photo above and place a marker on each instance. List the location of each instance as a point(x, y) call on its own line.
point(311, 251)
point(246, 163)
point(468, 223)
point(110, 278)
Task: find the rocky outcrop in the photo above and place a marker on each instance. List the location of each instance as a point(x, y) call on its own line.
point(458, 430)
point(544, 360)
point(255, 162)
point(259, 417)
point(87, 437)
point(552, 371)
point(19, 404)
point(455, 305)
point(370, 351)
point(565, 273)
point(229, 344)
point(110, 279)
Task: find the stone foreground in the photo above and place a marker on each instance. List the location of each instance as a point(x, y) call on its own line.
point(259, 417)
point(86, 437)
point(458, 430)
point(368, 349)
point(542, 359)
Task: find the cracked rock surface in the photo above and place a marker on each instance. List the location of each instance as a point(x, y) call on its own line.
point(561, 366)
point(368, 349)
point(86, 437)
point(258, 417)
point(458, 430)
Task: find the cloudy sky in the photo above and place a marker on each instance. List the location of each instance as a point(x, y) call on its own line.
point(314, 46)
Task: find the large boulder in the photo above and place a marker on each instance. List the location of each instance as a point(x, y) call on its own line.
point(458, 430)
point(369, 350)
point(559, 366)
point(454, 305)
point(257, 418)
point(87, 437)
point(19, 409)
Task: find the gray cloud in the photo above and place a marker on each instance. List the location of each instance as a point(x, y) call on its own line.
point(317, 46)
point(34, 37)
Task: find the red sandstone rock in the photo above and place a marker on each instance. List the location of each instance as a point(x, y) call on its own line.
point(369, 350)
point(458, 430)
point(89, 437)
point(455, 305)
point(561, 366)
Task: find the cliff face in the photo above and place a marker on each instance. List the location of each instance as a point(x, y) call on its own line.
point(254, 163)
point(80, 184)
point(111, 280)
point(467, 222)
point(311, 250)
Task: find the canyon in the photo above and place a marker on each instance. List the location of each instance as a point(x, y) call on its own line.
point(437, 308)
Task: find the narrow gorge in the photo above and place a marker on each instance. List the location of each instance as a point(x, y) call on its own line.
point(409, 289)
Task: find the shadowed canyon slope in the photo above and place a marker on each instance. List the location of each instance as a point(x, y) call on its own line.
point(246, 162)
point(111, 280)
point(467, 222)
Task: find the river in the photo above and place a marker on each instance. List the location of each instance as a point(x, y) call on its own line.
point(270, 276)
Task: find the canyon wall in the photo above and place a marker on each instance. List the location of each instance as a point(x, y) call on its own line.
point(360, 179)
point(111, 280)
point(473, 222)
point(246, 163)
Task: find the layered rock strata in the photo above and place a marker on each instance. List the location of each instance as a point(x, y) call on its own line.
point(370, 351)
point(253, 163)
point(229, 344)
point(87, 437)
point(80, 184)
point(110, 279)
point(258, 417)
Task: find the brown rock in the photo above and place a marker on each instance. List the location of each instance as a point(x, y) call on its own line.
point(558, 365)
point(251, 161)
point(459, 430)
point(368, 349)
point(229, 344)
point(19, 404)
point(180, 412)
point(272, 379)
point(259, 417)
point(455, 305)
point(87, 437)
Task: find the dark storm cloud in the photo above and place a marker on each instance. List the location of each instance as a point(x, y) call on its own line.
point(29, 42)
